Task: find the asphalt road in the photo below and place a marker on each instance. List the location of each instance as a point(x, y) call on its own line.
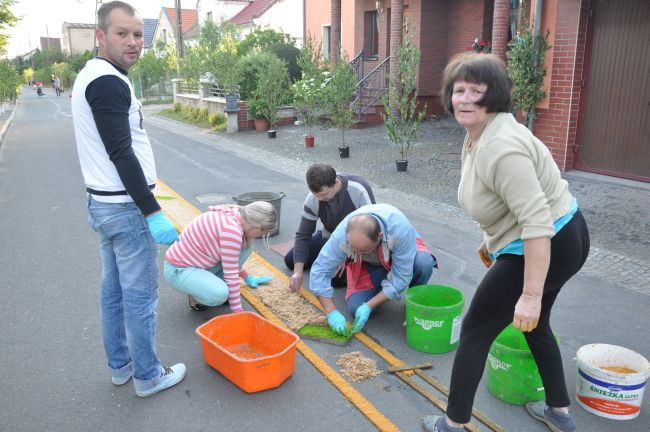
point(53, 367)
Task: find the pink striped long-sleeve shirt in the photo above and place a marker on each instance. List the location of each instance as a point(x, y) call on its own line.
point(213, 237)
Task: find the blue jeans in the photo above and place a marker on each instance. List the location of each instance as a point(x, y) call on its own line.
point(422, 270)
point(206, 286)
point(129, 287)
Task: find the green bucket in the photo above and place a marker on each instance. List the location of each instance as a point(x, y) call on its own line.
point(433, 318)
point(512, 374)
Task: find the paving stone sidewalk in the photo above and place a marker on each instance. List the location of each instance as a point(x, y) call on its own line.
point(617, 211)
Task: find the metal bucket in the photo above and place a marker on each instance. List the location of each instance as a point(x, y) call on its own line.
point(271, 197)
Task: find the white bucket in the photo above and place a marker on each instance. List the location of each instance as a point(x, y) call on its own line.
point(608, 394)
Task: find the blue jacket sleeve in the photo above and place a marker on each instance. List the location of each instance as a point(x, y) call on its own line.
point(403, 257)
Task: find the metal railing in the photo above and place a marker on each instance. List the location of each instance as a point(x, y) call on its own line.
point(357, 65)
point(215, 91)
point(372, 87)
point(188, 87)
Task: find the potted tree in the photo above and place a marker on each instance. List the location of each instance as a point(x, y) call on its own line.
point(226, 71)
point(526, 68)
point(308, 91)
point(339, 89)
point(272, 91)
point(400, 114)
point(256, 110)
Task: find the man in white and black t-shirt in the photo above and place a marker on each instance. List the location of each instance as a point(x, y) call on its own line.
point(118, 168)
point(333, 196)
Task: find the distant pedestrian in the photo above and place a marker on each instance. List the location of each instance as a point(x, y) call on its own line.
point(119, 171)
point(57, 86)
point(534, 238)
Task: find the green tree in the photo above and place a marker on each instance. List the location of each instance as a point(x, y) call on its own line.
point(248, 68)
point(7, 19)
point(310, 61)
point(45, 58)
point(9, 81)
point(289, 54)
point(308, 91)
point(400, 114)
point(77, 62)
point(272, 89)
point(527, 71)
point(149, 71)
point(261, 39)
point(339, 89)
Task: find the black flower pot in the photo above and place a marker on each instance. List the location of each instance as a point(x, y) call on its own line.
point(344, 152)
point(401, 165)
point(271, 133)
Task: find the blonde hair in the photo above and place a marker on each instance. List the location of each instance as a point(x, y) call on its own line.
point(261, 213)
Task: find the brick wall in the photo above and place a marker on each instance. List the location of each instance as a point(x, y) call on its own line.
point(557, 125)
point(465, 22)
point(432, 40)
point(500, 24)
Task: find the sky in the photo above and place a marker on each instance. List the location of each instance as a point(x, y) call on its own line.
point(45, 17)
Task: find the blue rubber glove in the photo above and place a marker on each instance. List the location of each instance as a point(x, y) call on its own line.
point(361, 317)
point(162, 229)
point(254, 281)
point(337, 323)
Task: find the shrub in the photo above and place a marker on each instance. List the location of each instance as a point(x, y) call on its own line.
point(177, 107)
point(249, 67)
point(203, 115)
point(289, 53)
point(215, 119)
point(196, 113)
point(526, 67)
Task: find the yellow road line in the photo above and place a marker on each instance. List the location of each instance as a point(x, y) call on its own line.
point(378, 419)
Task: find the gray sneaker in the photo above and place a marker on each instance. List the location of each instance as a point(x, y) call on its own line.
point(556, 421)
point(121, 376)
point(437, 423)
point(169, 376)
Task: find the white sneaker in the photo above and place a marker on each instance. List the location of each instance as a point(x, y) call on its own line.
point(169, 376)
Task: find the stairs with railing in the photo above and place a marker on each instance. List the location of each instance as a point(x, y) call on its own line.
point(367, 102)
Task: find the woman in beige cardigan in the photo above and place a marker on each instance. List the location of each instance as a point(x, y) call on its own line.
point(535, 238)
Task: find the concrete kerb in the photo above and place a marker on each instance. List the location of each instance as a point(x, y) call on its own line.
point(6, 123)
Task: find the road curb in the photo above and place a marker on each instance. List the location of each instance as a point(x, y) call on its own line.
point(7, 123)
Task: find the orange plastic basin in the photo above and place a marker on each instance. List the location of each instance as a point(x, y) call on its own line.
point(249, 350)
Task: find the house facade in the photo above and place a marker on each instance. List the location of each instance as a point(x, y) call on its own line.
point(219, 10)
point(285, 16)
point(77, 38)
point(596, 116)
point(167, 23)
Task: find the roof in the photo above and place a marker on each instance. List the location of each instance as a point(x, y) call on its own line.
point(149, 29)
point(78, 25)
point(189, 18)
point(252, 11)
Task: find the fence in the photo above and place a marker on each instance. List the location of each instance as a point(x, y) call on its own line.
point(211, 97)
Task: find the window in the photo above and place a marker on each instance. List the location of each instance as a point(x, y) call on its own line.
point(208, 16)
point(370, 34)
point(165, 36)
point(327, 33)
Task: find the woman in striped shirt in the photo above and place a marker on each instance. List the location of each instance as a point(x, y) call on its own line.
point(207, 261)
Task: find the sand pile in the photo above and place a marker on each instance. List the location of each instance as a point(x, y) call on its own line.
point(356, 367)
point(290, 307)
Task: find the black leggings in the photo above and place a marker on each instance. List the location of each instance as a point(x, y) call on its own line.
point(492, 309)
